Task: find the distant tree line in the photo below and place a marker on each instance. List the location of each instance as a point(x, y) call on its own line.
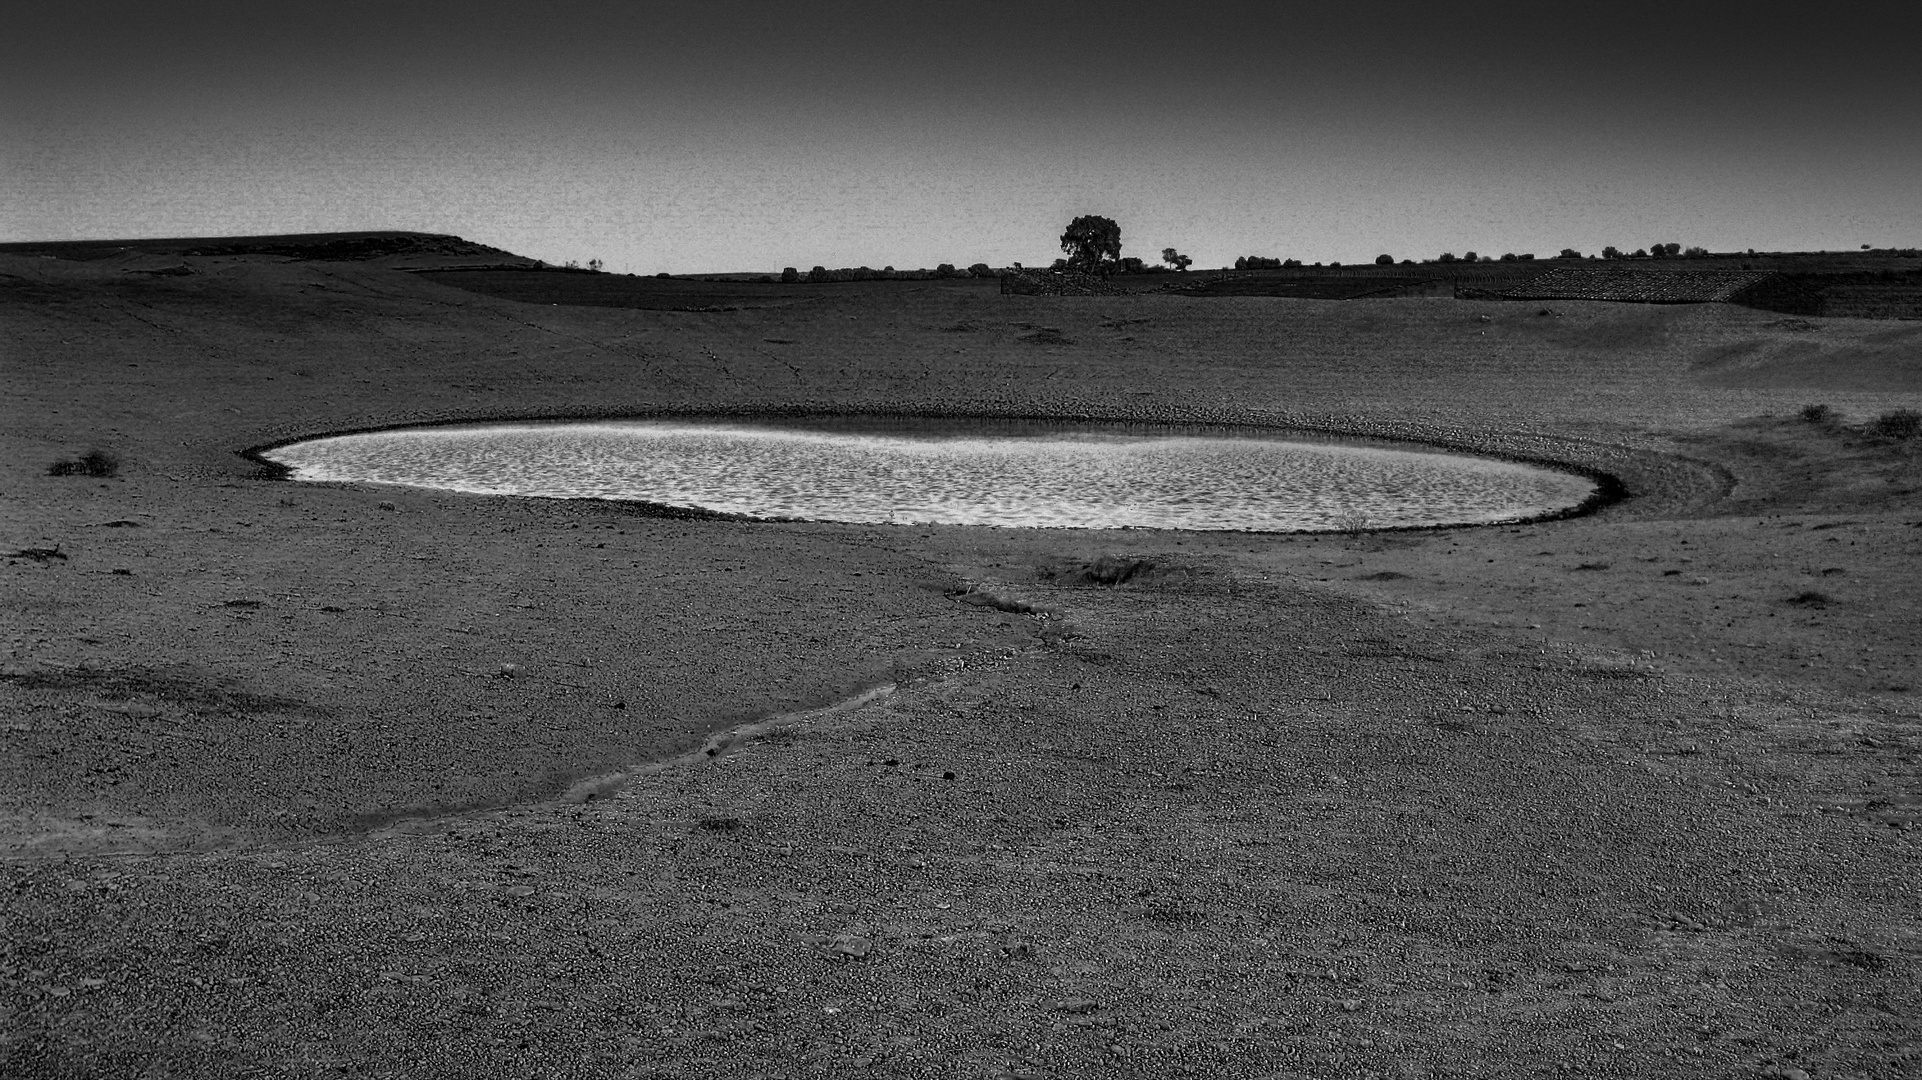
point(1666, 250)
point(790, 275)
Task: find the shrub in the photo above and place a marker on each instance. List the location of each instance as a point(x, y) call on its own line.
point(819, 273)
point(1471, 257)
point(1899, 424)
point(1820, 415)
point(945, 270)
point(1447, 257)
point(1384, 260)
point(1611, 252)
point(983, 270)
point(789, 275)
point(1569, 253)
point(1508, 256)
point(1129, 265)
point(1290, 262)
point(1696, 253)
point(91, 463)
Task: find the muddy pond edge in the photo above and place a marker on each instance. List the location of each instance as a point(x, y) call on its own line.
point(1609, 488)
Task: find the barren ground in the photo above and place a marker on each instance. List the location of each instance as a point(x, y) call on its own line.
point(1628, 795)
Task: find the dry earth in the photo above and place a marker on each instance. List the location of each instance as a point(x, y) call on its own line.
point(1627, 795)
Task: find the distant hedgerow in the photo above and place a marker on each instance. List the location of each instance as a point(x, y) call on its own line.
point(91, 463)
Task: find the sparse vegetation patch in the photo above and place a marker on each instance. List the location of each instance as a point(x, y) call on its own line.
point(91, 463)
point(1897, 424)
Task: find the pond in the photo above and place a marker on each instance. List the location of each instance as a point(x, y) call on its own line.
point(969, 472)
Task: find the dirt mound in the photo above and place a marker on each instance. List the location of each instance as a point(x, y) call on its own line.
point(349, 246)
point(352, 247)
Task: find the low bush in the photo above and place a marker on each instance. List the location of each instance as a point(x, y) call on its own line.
point(91, 463)
point(1898, 424)
point(1820, 415)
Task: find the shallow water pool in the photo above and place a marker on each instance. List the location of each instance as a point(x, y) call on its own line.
point(1011, 473)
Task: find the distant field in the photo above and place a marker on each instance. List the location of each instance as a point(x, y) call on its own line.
point(664, 294)
point(1319, 287)
point(1878, 294)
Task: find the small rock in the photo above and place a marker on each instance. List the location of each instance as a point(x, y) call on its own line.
point(520, 890)
point(1351, 1005)
point(852, 946)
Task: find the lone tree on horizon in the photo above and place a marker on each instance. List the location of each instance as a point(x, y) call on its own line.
point(1090, 240)
point(1176, 259)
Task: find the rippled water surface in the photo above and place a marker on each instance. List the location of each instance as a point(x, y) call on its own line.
point(973, 473)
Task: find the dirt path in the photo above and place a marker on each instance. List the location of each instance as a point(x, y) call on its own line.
point(292, 781)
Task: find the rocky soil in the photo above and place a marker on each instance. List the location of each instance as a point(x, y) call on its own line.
point(303, 780)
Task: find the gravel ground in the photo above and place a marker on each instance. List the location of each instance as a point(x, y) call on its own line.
point(1613, 796)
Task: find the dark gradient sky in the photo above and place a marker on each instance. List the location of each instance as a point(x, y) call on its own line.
point(747, 135)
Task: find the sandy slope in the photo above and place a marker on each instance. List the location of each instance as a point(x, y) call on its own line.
point(1597, 795)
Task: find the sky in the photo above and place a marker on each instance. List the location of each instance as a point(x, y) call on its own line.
point(749, 136)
